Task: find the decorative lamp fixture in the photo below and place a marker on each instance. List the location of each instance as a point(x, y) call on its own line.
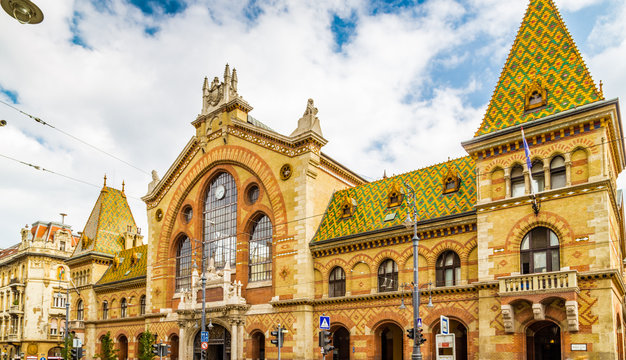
point(402, 306)
point(23, 11)
point(210, 326)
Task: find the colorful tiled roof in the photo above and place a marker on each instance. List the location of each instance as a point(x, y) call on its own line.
point(132, 264)
point(108, 221)
point(371, 211)
point(543, 50)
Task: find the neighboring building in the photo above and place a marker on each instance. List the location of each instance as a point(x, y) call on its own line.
point(290, 234)
point(33, 283)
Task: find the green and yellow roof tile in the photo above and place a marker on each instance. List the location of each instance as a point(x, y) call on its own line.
point(127, 264)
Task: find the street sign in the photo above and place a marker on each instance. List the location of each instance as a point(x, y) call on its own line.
point(204, 345)
point(42, 358)
point(77, 343)
point(419, 322)
point(445, 322)
point(324, 322)
point(204, 336)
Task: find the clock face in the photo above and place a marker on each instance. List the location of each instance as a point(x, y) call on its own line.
point(220, 191)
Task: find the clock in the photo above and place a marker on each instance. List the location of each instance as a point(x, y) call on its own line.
point(220, 191)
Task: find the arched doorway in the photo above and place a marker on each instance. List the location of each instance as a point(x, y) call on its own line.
point(219, 344)
point(174, 347)
point(460, 338)
point(543, 341)
point(389, 342)
point(341, 342)
point(258, 346)
point(122, 346)
point(55, 353)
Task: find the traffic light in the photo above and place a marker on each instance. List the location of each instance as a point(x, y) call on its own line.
point(166, 350)
point(76, 353)
point(325, 341)
point(420, 339)
point(278, 337)
point(156, 349)
point(203, 354)
point(410, 333)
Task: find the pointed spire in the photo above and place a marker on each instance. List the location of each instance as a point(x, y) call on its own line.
point(384, 173)
point(206, 83)
point(227, 73)
point(234, 80)
point(123, 185)
point(105, 180)
point(543, 59)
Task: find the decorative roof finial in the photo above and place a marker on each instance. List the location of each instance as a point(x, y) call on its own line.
point(601, 91)
point(105, 180)
point(384, 173)
point(123, 185)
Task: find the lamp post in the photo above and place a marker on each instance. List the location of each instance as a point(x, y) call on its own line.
point(417, 353)
point(203, 279)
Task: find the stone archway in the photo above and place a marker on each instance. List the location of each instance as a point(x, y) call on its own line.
point(460, 338)
point(341, 342)
point(122, 346)
point(543, 341)
point(219, 344)
point(389, 342)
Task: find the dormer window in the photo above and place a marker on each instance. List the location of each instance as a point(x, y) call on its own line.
point(395, 196)
point(451, 181)
point(348, 206)
point(536, 95)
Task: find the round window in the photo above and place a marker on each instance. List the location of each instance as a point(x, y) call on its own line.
point(187, 213)
point(253, 194)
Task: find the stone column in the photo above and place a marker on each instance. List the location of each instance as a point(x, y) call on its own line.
point(241, 339)
point(507, 182)
point(234, 340)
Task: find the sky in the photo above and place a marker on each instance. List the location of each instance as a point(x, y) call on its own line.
point(398, 84)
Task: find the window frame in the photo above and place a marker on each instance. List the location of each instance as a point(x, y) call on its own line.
point(392, 276)
point(548, 249)
point(123, 308)
point(142, 305)
point(441, 269)
point(220, 221)
point(183, 264)
point(517, 180)
point(337, 285)
point(557, 171)
point(261, 237)
point(105, 310)
point(80, 310)
point(536, 175)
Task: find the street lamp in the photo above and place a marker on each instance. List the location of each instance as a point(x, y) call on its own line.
point(430, 295)
point(417, 353)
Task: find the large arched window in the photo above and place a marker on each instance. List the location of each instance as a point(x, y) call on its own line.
point(260, 253)
point(142, 305)
point(448, 269)
point(220, 220)
point(557, 173)
point(183, 264)
point(388, 276)
point(518, 187)
point(538, 178)
point(123, 306)
point(539, 251)
point(80, 310)
point(105, 310)
point(337, 282)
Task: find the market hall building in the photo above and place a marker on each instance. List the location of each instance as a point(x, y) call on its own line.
point(518, 277)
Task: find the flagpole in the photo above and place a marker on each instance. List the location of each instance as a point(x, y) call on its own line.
point(529, 165)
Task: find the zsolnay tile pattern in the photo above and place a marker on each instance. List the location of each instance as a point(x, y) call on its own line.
point(544, 50)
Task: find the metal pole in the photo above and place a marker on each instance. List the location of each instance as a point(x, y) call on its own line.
point(67, 313)
point(417, 353)
point(280, 334)
point(203, 297)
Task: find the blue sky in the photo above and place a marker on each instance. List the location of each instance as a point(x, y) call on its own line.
point(398, 84)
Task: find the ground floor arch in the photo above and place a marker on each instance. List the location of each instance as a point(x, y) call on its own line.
point(389, 341)
point(122, 347)
point(460, 338)
point(174, 341)
point(543, 341)
point(257, 346)
point(341, 342)
point(55, 353)
point(219, 344)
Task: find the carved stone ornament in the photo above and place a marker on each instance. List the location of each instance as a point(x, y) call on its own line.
point(219, 93)
point(309, 121)
point(539, 311)
point(158, 215)
point(285, 172)
point(508, 318)
point(571, 310)
point(535, 95)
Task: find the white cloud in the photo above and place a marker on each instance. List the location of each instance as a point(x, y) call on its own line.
point(134, 95)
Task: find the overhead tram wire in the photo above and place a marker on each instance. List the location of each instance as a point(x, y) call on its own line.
point(74, 137)
point(37, 167)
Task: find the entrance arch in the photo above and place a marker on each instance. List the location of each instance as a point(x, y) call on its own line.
point(258, 346)
point(174, 347)
point(460, 338)
point(341, 342)
point(122, 346)
point(55, 353)
point(543, 341)
point(219, 344)
point(389, 342)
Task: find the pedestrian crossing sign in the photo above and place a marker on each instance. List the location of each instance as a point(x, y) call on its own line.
point(325, 322)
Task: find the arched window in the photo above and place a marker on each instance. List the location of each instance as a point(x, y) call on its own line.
point(123, 306)
point(142, 305)
point(517, 181)
point(539, 251)
point(80, 310)
point(105, 310)
point(448, 269)
point(220, 221)
point(557, 173)
point(337, 282)
point(538, 177)
point(388, 276)
point(260, 253)
point(183, 264)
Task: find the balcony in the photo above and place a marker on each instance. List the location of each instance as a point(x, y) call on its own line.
point(16, 310)
point(57, 311)
point(12, 337)
point(77, 324)
point(16, 283)
point(556, 281)
point(55, 337)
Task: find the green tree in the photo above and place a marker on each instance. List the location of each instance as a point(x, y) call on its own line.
point(107, 350)
point(145, 346)
point(66, 350)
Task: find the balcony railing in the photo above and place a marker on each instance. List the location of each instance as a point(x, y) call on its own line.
point(77, 324)
point(540, 282)
point(16, 309)
point(12, 337)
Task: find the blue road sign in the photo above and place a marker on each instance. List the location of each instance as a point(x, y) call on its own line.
point(324, 322)
point(419, 322)
point(204, 336)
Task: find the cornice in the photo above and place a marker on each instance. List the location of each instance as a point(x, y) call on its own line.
point(332, 165)
point(612, 274)
point(135, 282)
point(89, 255)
